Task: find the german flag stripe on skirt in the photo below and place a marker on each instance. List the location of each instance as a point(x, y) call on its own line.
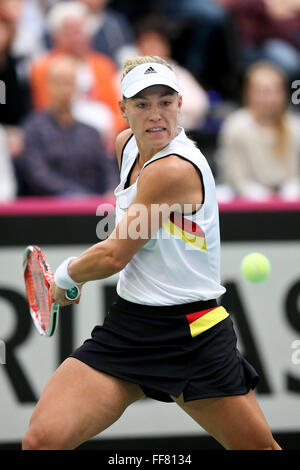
point(205, 319)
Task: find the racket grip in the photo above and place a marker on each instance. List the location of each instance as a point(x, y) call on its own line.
point(72, 294)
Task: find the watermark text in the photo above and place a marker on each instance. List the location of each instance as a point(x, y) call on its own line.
point(144, 222)
point(296, 353)
point(2, 352)
point(296, 93)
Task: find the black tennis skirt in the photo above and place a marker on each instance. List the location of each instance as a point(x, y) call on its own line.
point(170, 350)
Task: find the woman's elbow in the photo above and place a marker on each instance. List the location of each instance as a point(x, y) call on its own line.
point(115, 264)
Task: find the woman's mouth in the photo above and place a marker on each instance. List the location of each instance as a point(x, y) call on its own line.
point(155, 130)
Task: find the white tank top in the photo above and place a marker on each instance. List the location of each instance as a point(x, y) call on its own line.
point(181, 263)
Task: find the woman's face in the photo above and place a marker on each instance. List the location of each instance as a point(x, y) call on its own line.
point(153, 115)
point(153, 43)
point(265, 93)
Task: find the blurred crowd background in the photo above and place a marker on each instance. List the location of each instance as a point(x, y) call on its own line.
point(238, 63)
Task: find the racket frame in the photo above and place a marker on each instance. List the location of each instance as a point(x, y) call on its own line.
point(54, 311)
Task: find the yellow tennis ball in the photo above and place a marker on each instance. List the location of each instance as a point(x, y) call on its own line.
point(255, 267)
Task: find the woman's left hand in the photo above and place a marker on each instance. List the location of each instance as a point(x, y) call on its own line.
point(58, 295)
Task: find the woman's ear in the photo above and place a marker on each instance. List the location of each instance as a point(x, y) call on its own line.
point(122, 108)
point(179, 102)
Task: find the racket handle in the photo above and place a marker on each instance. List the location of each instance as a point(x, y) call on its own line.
point(72, 294)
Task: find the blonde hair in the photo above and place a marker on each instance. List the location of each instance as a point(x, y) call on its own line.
point(133, 62)
point(280, 120)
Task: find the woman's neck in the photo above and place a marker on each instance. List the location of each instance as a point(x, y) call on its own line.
point(146, 153)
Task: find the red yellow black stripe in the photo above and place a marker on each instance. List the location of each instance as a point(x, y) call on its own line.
point(205, 319)
point(187, 230)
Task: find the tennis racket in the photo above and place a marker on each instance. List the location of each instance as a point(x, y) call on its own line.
point(38, 277)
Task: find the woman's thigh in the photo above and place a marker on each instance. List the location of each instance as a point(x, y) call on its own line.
point(236, 422)
point(77, 403)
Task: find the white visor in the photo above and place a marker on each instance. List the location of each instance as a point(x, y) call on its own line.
point(145, 75)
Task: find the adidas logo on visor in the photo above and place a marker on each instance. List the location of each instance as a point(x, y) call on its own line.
point(150, 70)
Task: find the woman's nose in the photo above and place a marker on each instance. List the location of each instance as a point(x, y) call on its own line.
point(155, 114)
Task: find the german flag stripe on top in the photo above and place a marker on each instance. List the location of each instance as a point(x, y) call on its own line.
point(205, 319)
point(187, 230)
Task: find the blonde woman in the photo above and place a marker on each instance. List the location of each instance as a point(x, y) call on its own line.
point(165, 336)
point(259, 146)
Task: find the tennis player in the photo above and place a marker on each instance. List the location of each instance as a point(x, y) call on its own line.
point(165, 336)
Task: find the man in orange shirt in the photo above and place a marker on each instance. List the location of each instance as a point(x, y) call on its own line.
point(96, 77)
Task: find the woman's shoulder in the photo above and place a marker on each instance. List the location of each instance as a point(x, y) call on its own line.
point(236, 122)
point(239, 116)
point(293, 122)
point(293, 119)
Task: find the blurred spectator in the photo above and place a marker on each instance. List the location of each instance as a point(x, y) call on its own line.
point(28, 18)
point(153, 38)
point(111, 31)
point(133, 10)
point(269, 30)
point(206, 45)
point(47, 4)
point(95, 72)
point(17, 91)
point(8, 183)
point(10, 10)
point(63, 157)
point(259, 152)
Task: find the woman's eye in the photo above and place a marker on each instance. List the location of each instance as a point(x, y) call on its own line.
point(141, 105)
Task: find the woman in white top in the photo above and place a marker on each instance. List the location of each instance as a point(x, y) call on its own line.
point(165, 335)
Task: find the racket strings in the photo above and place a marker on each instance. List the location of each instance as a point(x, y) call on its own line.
point(37, 292)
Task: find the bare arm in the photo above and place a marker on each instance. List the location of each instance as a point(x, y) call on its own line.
point(142, 219)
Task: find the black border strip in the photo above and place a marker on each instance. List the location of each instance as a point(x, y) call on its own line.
point(259, 226)
point(286, 440)
point(48, 230)
point(81, 229)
